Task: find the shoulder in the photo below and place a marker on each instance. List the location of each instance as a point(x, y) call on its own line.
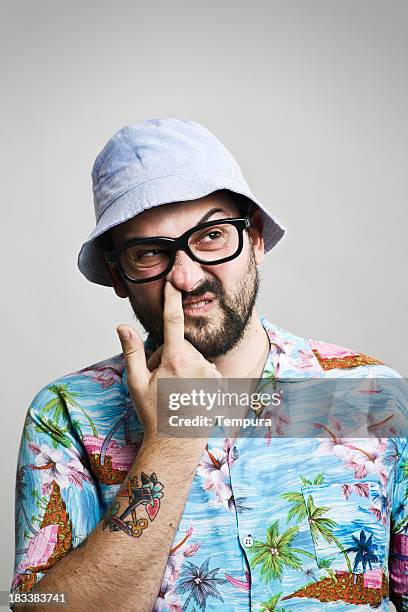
point(104, 374)
point(376, 391)
point(299, 353)
point(335, 357)
point(69, 403)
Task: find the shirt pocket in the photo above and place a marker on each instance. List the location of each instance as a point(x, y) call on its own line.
point(349, 526)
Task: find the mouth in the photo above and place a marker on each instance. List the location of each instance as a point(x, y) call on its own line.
point(198, 305)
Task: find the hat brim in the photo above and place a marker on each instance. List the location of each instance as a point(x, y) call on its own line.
point(183, 187)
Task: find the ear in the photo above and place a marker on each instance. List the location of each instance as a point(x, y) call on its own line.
point(117, 280)
point(255, 232)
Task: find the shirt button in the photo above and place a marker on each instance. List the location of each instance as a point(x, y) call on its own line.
point(248, 541)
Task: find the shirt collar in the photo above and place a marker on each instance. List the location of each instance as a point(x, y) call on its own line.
point(290, 356)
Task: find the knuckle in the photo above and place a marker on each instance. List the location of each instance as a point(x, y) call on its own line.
point(178, 362)
point(174, 318)
point(130, 350)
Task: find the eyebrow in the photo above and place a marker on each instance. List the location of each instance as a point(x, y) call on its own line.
point(203, 219)
point(209, 214)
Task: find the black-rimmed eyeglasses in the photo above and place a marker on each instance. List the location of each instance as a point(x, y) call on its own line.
point(142, 260)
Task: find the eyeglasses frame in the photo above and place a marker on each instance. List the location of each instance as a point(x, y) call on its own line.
point(179, 244)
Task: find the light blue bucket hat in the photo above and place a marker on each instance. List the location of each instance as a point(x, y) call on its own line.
point(155, 162)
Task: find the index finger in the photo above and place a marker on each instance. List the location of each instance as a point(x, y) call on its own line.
point(173, 316)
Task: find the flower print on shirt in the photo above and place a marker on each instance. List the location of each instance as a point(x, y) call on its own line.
point(105, 376)
point(313, 507)
point(54, 467)
point(167, 598)
point(214, 470)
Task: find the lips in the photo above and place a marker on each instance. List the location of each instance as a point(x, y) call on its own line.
point(200, 299)
point(198, 304)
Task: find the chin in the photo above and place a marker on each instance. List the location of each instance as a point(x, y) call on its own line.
point(198, 328)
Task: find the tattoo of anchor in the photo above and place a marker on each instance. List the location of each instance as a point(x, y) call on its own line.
point(147, 495)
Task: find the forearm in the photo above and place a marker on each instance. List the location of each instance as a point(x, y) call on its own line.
point(113, 569)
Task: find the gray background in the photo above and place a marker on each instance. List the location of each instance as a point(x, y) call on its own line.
point(311, 98)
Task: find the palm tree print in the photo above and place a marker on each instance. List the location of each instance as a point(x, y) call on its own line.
point(238, 504)
point(58, 405)
point(200, 583)
point(272, 605)
point(309, 573)
point(22, 498)
point(277, 552)
point(268, 378)
point(364, 549)
point(320, 525)
point(54, 431)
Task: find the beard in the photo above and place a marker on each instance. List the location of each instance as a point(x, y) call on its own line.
point(211, 335)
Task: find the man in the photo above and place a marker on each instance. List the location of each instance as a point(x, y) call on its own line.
point(111, 512)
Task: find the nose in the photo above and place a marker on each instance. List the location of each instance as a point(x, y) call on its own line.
point(186, 274)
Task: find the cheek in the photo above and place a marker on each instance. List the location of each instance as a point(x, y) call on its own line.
point(230, 273)
point(150, 294)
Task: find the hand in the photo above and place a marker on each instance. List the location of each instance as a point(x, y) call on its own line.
point(176, 358)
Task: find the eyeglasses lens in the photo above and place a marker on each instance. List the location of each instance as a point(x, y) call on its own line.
point(213, 243)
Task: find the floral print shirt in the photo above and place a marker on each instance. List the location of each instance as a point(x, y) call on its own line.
point(270, 523)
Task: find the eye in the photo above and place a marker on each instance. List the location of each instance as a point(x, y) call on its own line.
point(145, 256)
point(150, 253)
point(213, 234)
point(211, 238)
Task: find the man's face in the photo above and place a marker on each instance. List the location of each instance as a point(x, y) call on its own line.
point(217, 300)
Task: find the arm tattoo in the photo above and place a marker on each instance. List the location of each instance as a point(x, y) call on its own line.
point(146, 496)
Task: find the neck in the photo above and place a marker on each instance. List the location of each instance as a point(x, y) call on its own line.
point(248, 358)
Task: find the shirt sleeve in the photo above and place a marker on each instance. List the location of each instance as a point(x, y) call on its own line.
point(57, 500)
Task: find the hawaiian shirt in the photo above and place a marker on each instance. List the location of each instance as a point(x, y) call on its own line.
point(271, 522)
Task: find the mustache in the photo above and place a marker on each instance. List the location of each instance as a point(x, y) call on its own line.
point(208, 286)
point(212, 285)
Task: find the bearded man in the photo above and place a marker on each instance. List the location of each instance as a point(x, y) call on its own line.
point(112, 513)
